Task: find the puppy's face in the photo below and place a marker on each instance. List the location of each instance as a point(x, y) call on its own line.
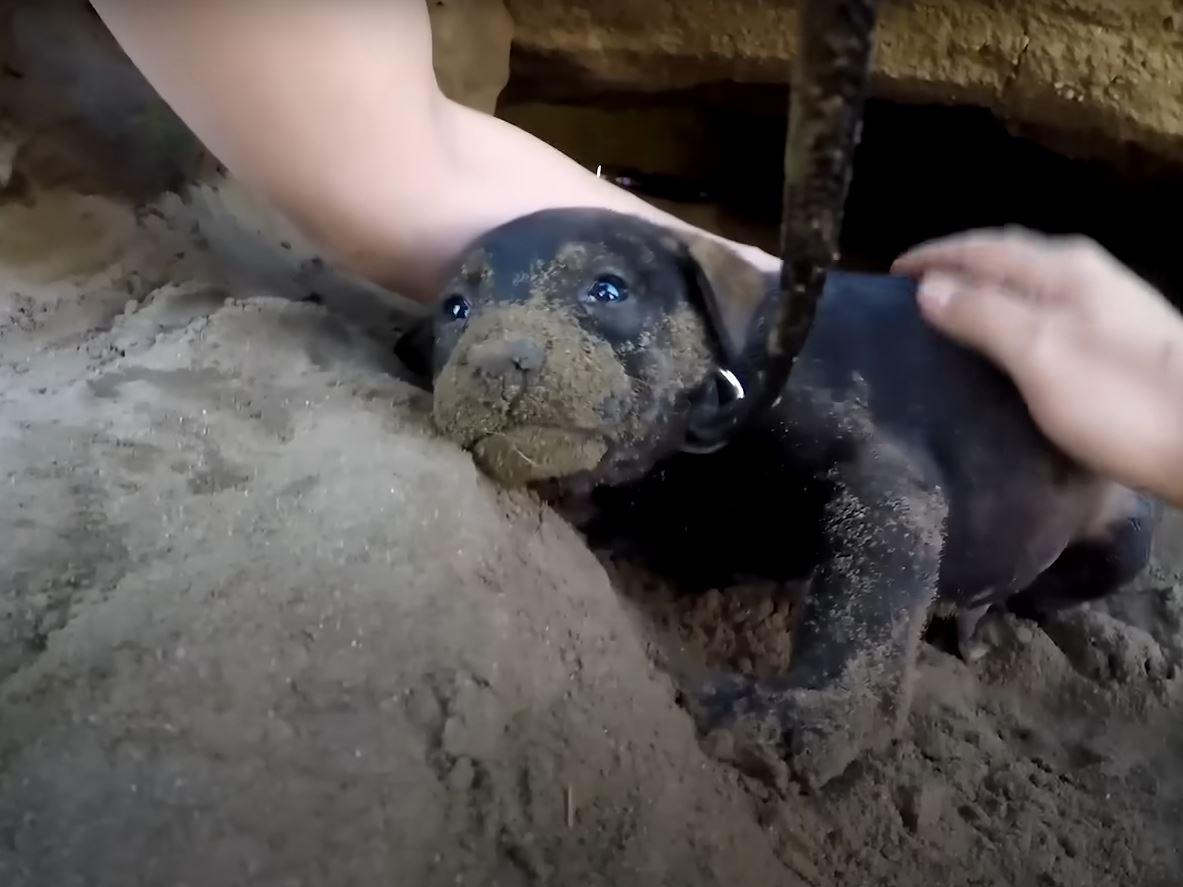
point(580, 343)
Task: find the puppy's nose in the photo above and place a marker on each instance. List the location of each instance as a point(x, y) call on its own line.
point(501, 357)
point(526, 355)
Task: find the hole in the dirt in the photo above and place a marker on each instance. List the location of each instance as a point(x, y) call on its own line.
point(714, 154)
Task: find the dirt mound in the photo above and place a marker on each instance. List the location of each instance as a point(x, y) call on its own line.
point(259, 626)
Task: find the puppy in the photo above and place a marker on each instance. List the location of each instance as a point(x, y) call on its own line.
point(579, 351)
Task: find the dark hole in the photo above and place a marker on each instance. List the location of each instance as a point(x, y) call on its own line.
point(921, 170)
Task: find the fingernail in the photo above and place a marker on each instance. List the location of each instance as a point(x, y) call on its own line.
point(903, 261)
point(936, 291)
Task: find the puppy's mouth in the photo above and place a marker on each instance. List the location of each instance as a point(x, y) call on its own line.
point(526, 454)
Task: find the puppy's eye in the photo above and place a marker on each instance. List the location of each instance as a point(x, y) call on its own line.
point(608, 289)
point(455, 308)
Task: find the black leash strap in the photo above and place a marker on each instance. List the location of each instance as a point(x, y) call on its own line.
point(835, 43)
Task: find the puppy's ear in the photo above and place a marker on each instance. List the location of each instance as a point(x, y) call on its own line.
point(733, 291)
point(414, 349)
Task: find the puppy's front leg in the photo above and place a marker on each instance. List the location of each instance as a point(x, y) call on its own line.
point(848, 686)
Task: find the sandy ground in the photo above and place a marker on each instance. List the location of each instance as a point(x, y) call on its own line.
point(258, 625)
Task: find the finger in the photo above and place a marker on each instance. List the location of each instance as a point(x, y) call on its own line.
point(988, 318)
point(970, 243)
point(1015, 258)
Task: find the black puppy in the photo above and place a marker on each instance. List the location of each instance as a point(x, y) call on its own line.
point(578, 350)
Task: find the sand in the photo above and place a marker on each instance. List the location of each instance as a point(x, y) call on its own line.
point(260, 625)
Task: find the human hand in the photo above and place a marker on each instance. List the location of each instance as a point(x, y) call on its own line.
point(1096, 352)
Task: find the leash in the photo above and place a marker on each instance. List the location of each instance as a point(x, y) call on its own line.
point(829, 85)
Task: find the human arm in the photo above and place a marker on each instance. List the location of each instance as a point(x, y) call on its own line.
point(1095, 350)
point(332, 112)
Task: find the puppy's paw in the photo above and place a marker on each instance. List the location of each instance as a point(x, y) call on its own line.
point(777, 733)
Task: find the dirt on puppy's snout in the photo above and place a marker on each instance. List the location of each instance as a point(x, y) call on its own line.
point(553, 419)
point(522, 455)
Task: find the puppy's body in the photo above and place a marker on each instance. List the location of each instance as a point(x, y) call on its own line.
point(898, 468)
point(873, 372)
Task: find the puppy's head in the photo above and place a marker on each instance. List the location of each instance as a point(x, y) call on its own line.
point(580, 343)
